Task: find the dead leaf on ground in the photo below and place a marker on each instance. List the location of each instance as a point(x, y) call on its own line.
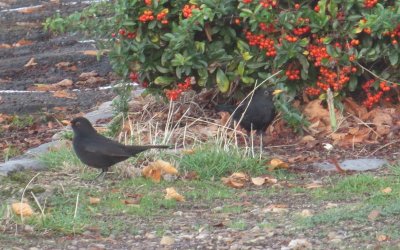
point(87, 75)
point(314, 185)
point(236, 180)
point(387, 190)
point(373, 214)
point(22, 209)
point(67, 66)
point(276, 164)
point(192, 175)
point(352, 107)
point(31, 9)
point(277, 208)
point(64, 94)
point(173, 195)
point(94, 200)
point(5, 46)
point(258, 181)
point(382, 237)
point(31, 62)
point(188, 151)
point(131, 201)
point(153, 173)
point(22, 42)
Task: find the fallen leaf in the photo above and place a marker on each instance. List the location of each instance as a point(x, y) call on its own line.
point(192, 175)
point(224, 118)
point(173, 195)
point(31, 62)
point(382, 237)
point(236, 180)
point(131, 201)
point(165, 167)
point(258, 181)
point(94, 200)
point(22, 42)
point(31, 9)
point(387, 190)
point(22, 209)
point(67, 66)
point(64, 94)
point(188, 151)
point(153, 173)
point(167, 241)
point(87, 75)
point(5, 46)
point(313, 185)
point(373, 214)
point(277, 163)
point(331, 205)
point(270, 179)
point(306, 213)
point(277, 208)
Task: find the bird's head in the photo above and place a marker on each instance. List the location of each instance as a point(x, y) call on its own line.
point(82, 126)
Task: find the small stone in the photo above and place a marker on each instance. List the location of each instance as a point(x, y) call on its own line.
point(33, 248)
point(97, 246)
point(28, 228)
point(306, 213)
point(167, 241)
point(299, 244)
point(178, 213)
point(202, 236)
point(217, 209)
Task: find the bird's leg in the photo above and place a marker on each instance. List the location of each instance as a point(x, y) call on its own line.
point(102, 173)
point(261, 144)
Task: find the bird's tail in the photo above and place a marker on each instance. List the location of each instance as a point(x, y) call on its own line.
point(140, 148)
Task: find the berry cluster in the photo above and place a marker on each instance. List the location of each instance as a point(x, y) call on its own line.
point(147, 16)
point(187, 10)
point(262, 43)
point(148, 2)
point(370, 3)
point(134, 76)
point(291, 39)
point(318, 53)
point(394, 35)
point(330, 79)
point(268, 3)
point(124, 33)
point(355, 42)
point(293, 74)
point(269, 28)
point(301, 30)
point(173, 94)
point(162, 16)
point(312, 91)
point(371, 98)
point(247, 1)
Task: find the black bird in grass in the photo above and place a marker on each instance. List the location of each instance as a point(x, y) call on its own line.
point(98, 151)
point(259, 114)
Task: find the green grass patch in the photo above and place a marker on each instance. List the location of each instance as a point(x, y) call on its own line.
point(211, 161)
point(58, 158)
point(238, 224)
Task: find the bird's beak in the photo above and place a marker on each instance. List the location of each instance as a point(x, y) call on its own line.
point(277, 91)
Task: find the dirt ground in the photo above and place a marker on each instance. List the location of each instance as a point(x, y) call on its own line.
point(57, 58)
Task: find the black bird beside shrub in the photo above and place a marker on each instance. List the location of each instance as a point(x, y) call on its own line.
point(259, 114)
point(98, 151)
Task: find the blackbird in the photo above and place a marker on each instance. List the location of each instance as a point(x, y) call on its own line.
point(259, 114)
point(98, 151)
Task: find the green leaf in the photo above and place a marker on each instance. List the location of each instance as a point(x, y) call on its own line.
point(247, 56)
point(393, 58)
point(222, 81)
point(353, 83)
point(304, 62)
point(247, 80)
point(164, 80)
point(240, 68)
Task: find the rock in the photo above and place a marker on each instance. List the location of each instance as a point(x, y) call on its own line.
point(150, 236)
point(104, 111)
point(28, 228)
point(363, 164)
point(20, 164)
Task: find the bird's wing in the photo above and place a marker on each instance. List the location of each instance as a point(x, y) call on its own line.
point(105, 146)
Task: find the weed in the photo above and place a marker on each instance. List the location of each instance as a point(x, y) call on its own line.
point(238, 224)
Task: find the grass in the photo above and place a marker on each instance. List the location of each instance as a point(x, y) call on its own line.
point(213, 162)
point(56, 159)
